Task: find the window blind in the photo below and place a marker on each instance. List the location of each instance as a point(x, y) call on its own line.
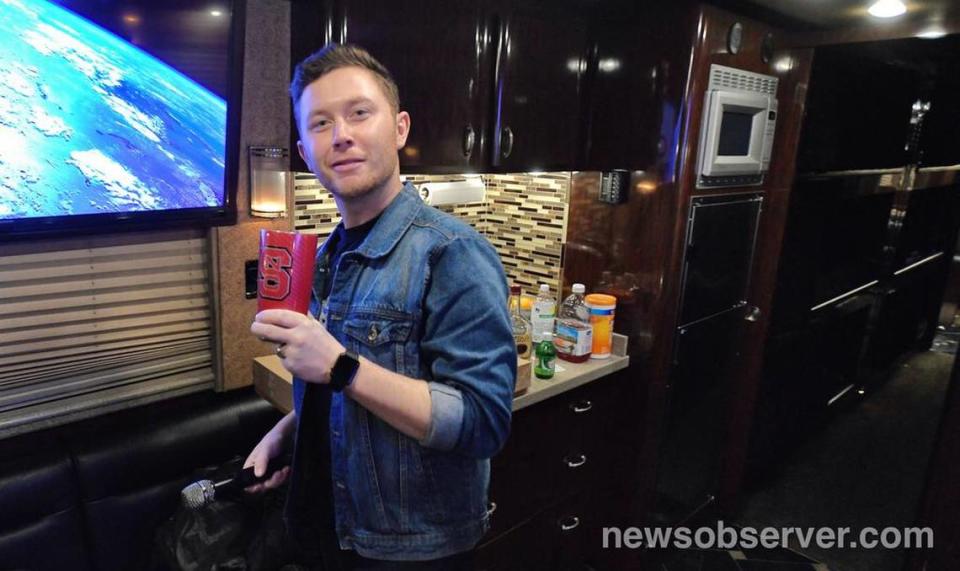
point(94, 324)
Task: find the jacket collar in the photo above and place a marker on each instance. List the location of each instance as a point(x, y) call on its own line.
point(392, 224)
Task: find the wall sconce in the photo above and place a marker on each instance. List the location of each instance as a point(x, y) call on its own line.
point(269, 181)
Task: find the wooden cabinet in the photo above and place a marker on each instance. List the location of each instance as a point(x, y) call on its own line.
point(552, 484)
point(542, 55)
point(858, 110)
point(439, 54)
point(635, 84)
point(489, 85)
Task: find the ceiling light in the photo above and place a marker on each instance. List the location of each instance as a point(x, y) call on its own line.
point(887, 8)
point(932, 33)
point(216, 13)
point(609, 65)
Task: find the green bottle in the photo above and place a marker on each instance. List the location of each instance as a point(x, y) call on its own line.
point(546, 357)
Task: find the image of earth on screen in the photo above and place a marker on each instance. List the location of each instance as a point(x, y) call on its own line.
point(92, 124)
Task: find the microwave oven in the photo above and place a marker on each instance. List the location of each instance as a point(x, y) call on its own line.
point(739, 122)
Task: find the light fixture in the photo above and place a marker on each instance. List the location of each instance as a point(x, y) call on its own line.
point(610, 65)
point(783, 64)
point(932, 33)
point(269, 181)
point(887, 9)
point(216, 13)
point(457, 192)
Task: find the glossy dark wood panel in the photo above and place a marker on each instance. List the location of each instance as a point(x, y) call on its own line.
point(792, 68)
point(437, 53)
point(311, 27)
point(641, 242)
point(636, 241)
point(542, 59)
point(636, 80)
point(858, 110)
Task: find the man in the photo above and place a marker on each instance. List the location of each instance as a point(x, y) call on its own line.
point(410, 360)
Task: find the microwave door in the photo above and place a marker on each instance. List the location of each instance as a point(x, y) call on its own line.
point(733, 137)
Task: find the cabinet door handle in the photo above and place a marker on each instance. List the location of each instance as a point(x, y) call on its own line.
point(582, 406)
point(469, 138)
point(491, 507)
point(569, 523)
point(506, 142)
point(575, 461)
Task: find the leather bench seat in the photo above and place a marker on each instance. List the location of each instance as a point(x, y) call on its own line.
point(91, 495)
point(40, 519)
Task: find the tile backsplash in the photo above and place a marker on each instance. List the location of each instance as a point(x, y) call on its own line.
point(524, 216)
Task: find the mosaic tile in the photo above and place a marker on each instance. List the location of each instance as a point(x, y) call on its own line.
point(523, 215)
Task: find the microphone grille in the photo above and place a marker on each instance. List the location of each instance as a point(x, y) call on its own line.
point(197, 494)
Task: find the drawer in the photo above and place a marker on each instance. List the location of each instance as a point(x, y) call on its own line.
point(565, 535)
point(557, 447)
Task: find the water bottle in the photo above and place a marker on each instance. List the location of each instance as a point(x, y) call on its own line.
point(543, 314)
point(574, 307)
point(574, 335)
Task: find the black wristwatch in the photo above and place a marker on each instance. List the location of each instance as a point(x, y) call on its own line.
point(344, 370)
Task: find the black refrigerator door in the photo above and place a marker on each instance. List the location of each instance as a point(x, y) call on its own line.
point(721, 239)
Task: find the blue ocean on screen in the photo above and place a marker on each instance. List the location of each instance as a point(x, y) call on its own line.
point(91, 124)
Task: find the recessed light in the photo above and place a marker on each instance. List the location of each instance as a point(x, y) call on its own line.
point(887, 9)
point(932, 33)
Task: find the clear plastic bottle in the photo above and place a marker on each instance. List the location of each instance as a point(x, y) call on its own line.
point(543, 314)
point(574, 334)
point(574, 307)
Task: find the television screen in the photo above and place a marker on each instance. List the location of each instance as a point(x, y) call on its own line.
point(110, 110)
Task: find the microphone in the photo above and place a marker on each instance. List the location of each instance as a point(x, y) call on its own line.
point(203, 492)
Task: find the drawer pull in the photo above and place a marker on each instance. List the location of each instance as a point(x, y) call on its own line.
point(569, 523)
point(581, 407)
point(491, 507)
point(576, 461)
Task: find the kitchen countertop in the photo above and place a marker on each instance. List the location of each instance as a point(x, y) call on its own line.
point(568, 376)
point(275, 384)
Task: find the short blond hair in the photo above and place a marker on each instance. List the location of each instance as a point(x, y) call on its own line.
point(335, 56)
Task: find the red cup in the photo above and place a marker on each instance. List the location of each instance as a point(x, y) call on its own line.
point(285, 274)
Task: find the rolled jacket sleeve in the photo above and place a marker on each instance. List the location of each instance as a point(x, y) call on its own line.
point(468, 348)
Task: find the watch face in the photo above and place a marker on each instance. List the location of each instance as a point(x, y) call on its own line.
point(766, 48)
point(344, 370)
point(735, 37)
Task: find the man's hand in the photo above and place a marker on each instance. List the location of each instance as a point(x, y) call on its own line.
point(270, 446)
point(309, 351)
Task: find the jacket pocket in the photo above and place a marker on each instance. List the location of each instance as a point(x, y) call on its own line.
point(456, 484)
point(379, 338)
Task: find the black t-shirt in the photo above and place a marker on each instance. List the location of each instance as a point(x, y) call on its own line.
point(309, 506)
point(345, 240)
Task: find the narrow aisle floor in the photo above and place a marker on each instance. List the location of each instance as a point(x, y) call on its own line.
point(865, 469)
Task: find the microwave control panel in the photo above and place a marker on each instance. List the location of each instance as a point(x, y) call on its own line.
point(768, 134)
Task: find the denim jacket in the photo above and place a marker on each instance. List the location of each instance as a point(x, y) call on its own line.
point(425, 296)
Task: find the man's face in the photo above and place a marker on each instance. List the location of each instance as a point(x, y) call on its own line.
point(349, 134)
